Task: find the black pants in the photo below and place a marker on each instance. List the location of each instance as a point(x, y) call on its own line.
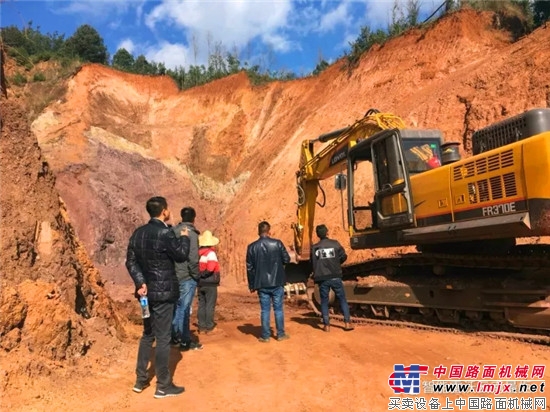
point(158, 326)
point(208, 295)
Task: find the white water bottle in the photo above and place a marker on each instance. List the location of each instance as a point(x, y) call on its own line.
point(144, 303)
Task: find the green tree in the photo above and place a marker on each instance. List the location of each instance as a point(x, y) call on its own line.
point(57, 41)
point(142, 66)
point(87, 44)
point(233, 63)
point(451, 5)
point(398, 20)
point(216, 62)
point(178, 74)
point(541, 12)
point(322, 65)
point(28, 45)
point(413, 12)
point(123, 60)
point(196, 75)
point(161, 69)
point(364, 42)
point(13, 37)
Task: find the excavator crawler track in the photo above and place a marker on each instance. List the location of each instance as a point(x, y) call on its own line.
point(505, 296)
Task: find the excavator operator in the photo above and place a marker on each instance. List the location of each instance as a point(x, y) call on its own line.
point(426, 156)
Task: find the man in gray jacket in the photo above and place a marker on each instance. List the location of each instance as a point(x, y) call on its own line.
point(188, 276)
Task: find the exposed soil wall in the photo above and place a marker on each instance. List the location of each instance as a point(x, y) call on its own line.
point(49, 288)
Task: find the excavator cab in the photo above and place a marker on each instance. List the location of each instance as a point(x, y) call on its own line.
point(388, 158)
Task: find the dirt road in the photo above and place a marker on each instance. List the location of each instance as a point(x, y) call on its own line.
point(313, 371)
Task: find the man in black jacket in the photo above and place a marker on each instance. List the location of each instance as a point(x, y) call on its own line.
point(327, 257)
point(152, 251)
point(265, 260)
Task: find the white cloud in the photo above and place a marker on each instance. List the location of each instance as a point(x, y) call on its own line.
point(304, 20)
point(115, 24)
point(232, 22)
point(339, 15)
point(99, 9)
point(127, 44)
point(379, 12)
point(139, 10)
point(279, 43)
point(349, 38)
point(171, 54)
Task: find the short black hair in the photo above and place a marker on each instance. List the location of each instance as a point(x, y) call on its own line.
point(188, 214)
point(321, 231)
point(156, 205)
point(263, 228)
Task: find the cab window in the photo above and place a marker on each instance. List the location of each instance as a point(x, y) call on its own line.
point(421, 155)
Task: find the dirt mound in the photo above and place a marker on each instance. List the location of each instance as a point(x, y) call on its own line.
point(50, 291)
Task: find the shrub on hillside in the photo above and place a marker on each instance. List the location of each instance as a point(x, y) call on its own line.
point(39, 77)
point(19, 79)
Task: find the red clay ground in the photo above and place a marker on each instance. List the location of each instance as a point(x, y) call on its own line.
point(313, 371)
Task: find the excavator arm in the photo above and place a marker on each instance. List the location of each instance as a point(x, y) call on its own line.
point(331, 160)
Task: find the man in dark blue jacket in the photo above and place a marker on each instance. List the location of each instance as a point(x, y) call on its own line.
point(152, 251)
point(265, 260)
point(327, 257)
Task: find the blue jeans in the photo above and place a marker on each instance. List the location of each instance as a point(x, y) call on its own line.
point(338, 287)
point(180, 324)
point(267, 297)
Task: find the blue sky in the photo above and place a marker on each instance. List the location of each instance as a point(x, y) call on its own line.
point(276, 34)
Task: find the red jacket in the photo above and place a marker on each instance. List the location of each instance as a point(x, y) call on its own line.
point(209, 267)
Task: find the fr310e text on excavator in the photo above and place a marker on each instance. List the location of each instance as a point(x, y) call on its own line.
point(463, 215)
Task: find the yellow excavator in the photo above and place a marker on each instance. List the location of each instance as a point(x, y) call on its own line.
point(407, 187)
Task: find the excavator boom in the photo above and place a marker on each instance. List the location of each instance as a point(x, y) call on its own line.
point(329, 161)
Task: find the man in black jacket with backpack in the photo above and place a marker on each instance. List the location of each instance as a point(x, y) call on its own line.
point(327, 257)
point(152, 251)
